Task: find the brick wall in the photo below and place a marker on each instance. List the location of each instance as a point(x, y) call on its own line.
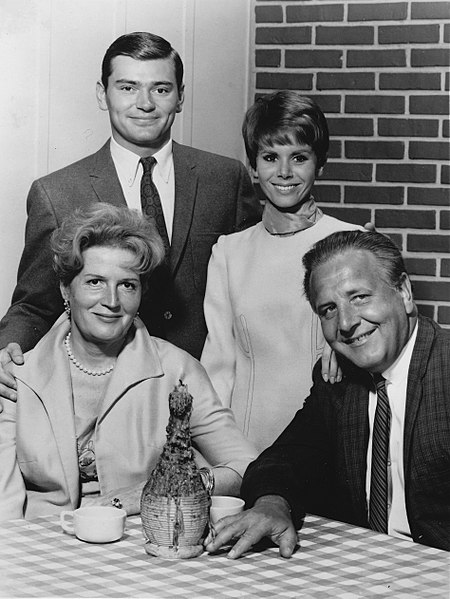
point(380, 72)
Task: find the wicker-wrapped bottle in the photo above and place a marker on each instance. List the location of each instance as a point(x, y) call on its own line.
point(174, 502)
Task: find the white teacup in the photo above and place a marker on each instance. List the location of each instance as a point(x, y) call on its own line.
point(223, 505)
point(95, 524)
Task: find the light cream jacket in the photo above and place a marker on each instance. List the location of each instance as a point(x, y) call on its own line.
point(38, 455)
point(263, 338)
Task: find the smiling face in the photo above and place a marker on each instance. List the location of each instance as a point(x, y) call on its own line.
point(142, 98)
point(363, 317)
point(286, 174)
point(104, 297)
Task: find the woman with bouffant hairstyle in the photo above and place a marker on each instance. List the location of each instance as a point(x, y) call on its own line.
point(90, 420)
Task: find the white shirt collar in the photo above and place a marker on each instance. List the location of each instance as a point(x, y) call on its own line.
point(127, 162)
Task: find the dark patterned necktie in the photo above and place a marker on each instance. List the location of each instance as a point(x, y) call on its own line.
point(150, 200)
point(378, 504)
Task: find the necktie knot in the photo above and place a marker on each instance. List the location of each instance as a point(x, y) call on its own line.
point(148, 163)
point(379, 381)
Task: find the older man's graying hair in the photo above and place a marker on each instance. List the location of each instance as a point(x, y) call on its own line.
point(110, 226)
point(385, 251)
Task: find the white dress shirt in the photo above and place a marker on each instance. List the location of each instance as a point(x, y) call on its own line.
point(129, 170)
point(396, 385)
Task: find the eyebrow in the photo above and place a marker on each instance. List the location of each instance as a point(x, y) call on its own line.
point(349, 293)
point(305, 149)
point(133, 82)
point(95, 275)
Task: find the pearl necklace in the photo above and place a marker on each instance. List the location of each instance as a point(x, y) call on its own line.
point(79, 365)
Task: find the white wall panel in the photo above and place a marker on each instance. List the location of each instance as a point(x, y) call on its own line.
point(80, 33)
point(19, 117)
point(220, 75)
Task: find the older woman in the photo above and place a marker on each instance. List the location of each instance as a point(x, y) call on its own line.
point(92, 408)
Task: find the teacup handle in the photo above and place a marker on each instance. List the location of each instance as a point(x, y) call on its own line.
point(67, 525)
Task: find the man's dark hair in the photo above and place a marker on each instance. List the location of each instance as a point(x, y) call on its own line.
point(281, 118)
point(385, 251)
point(142, 45)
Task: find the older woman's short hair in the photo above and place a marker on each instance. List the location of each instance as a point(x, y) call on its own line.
point(385, 251)
point(106, 226)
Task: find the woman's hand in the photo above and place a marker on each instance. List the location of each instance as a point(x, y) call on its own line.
point(331, 370)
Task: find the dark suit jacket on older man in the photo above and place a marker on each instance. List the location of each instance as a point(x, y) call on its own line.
point(213, 196)
point(319, 462)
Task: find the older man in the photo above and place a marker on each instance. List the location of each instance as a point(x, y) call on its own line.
point(373, 450)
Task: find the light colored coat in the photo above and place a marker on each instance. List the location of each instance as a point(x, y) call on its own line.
point(38, 456)
point(263, 338)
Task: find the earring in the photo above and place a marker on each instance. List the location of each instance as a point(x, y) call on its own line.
point(67, 307)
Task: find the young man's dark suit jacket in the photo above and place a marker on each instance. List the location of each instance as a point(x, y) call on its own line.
point(319, 462)
point(213, 196)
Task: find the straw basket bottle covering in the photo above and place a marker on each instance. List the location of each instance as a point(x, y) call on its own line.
point(174, 502)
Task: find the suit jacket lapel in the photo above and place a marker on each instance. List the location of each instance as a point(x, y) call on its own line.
point(104, 179)
point(417, 367)
point(355, 440)
point(186, 182)
point(107, 188)
point(129, 370)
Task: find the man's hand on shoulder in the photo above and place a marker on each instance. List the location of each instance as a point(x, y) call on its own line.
point(11, 354)
point(269, 517)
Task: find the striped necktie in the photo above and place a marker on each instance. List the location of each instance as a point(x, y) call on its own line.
point(378, 504)
point(151, 202)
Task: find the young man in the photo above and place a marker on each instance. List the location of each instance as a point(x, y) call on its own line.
point(202, 196)
point(328, 460)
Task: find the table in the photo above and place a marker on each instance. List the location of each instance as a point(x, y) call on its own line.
point(335, 560)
